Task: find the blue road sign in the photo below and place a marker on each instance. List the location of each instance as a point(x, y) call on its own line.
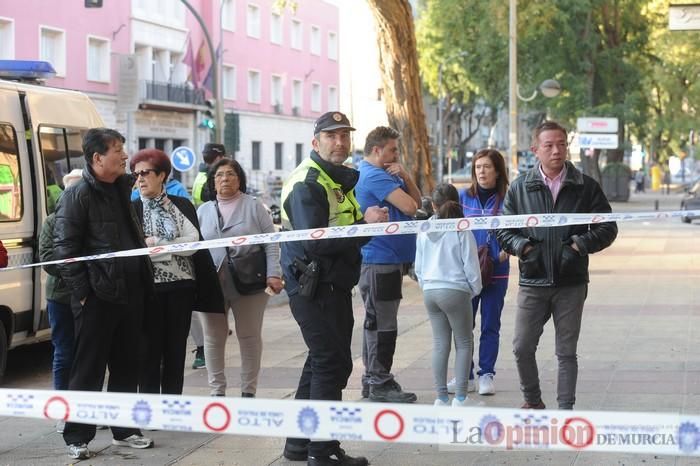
point(183, 159)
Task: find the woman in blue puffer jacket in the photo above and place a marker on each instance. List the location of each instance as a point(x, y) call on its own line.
point(484, 198)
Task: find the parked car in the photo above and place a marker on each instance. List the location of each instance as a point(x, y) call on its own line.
point(461, 178)
point(691, 201)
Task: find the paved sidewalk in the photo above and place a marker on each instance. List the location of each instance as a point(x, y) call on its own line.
point(637, 352)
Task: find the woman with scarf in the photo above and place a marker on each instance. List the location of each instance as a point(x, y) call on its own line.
point(185, 280)
point(235, 213)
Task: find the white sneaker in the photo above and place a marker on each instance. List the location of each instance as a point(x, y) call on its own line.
point(134, 441)
point(452, 386)
point(78, 451)
point(60, 426)
point(441, 403)
point(486, 385)
point(460, 404)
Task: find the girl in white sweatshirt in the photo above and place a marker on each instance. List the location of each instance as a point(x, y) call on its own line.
point(447, 267)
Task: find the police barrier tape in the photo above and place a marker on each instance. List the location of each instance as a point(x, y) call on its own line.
point(450, 428)
point(383, 229)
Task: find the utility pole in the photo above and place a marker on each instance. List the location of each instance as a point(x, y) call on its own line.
point(216, 85)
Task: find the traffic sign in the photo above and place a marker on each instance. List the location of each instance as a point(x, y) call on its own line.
point(597, 141)
point(596, 125)
point(183, 158)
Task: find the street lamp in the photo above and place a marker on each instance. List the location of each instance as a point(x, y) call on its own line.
point(441, 103)
point(549, 87)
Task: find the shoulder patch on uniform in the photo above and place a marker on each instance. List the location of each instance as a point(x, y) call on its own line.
point(312, 175)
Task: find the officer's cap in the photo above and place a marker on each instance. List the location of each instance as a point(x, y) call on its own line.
point(330, 121)
point(214, 149)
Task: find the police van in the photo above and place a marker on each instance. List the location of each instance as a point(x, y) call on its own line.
point(41, 130)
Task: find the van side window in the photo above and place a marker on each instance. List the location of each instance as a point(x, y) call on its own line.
point(61, 150)
point(10, 178)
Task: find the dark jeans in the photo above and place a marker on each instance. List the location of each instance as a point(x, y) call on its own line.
point(326, 323)
point(165, 339)
point(107, 335)
point(491, 299)
point(63, 339)
point(535, 307)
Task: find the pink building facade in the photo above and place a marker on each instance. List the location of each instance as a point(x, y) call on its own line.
point(144, 64)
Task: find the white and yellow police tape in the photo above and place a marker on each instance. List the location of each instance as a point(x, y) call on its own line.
point(450, 428)
point(385, 229)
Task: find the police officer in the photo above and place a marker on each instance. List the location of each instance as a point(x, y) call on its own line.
point(320, 275)
point(211, 154)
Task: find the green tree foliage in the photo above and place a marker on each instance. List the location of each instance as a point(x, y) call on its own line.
point(613, 58)
point(673, 83)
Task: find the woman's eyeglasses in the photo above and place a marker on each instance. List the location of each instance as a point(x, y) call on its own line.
point(145, 172)
point(227, 174)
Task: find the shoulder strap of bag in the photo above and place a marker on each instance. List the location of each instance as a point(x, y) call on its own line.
point(221, 227)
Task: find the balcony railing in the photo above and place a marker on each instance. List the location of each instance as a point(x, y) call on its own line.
point(180, 93)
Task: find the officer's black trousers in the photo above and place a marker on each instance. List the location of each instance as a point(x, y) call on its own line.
point(326, 323)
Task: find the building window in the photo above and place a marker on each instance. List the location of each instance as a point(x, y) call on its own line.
point(253, 21)
point(255, 163)
point(7, 39)
point(52, 48)
point(315, 97)
point(296, 35)
point(98, 62)
point(278, 155)
point(276, 98)
point(297, 97)
point(229, 82)
point(299, 152)
point(332, 98)
point(228, 15)
point(315, 48)
point(253, 87)
point(276, 28)
point(332, 46)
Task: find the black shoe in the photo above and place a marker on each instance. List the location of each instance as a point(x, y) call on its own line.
point(365, 390)
point(247, 395)
point(391, 392)
point(295, 452)
point(338, 458)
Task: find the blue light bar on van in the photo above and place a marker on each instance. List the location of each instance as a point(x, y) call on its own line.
point(26, 70)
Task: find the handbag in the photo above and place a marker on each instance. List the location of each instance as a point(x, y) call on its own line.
point(486, 262)
point(248, 271)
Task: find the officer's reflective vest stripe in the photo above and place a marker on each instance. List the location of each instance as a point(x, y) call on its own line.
point(343, 208)
point(199, 182)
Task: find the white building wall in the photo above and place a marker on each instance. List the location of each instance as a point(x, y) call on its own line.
point(269, 129)
point(360, 79)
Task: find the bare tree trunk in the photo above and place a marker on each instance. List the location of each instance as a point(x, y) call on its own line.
point(398, 60)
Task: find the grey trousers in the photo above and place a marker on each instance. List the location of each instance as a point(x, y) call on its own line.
point(450, 311)
point(380, 286)
point(248, 312)
point(535, 306)
point(196, 330)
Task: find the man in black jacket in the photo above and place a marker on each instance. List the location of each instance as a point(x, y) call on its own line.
point(95, 216)
point(553, 261)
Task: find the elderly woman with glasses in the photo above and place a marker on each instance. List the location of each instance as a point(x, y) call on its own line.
point(185, 280)
point(235, 213)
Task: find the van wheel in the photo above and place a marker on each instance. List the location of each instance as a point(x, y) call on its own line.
point(3, 351)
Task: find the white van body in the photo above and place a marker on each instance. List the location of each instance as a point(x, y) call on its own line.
point(41, 131)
